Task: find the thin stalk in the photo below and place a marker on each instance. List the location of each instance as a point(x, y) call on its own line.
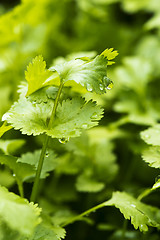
point(44, 148)
point(20, 188)
point(86, 213)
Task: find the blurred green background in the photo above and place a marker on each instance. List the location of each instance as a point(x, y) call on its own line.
point(55, 28)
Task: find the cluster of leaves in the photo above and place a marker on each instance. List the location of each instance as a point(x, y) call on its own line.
point(95, 165)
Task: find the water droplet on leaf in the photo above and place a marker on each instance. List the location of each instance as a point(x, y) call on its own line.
point(101, 87)
point(14, 174)
point(89, 88)
point(108, 83)
point(109, 86)
point(132, 205)
point(94, 116)
point(63, 140)
point(147, 136)
point(84, 126)
point(157, 178)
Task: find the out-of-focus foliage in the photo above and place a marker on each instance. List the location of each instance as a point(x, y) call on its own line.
point(104, 159)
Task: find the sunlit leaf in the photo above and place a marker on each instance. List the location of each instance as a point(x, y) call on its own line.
point(37, 75)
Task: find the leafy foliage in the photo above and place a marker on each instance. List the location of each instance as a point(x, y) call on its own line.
point(65, 33)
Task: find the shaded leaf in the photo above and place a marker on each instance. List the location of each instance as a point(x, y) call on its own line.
point(22, 171)
point(86, 183)
point(11, 146)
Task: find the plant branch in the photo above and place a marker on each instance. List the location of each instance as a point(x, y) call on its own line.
point(86, 213)
point(44, 148)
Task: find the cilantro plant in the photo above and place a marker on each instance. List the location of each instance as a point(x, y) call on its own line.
point(46, 106)
point(98, 174)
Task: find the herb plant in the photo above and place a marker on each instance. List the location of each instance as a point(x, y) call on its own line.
point(47, 106)
point(78, 161)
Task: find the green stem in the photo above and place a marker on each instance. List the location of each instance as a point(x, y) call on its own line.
point(39, 169)
point(144, 193)
point(20, 188)
point(44, 148)
point(86, 213)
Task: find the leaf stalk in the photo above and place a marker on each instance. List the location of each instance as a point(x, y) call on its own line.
point(35, 188)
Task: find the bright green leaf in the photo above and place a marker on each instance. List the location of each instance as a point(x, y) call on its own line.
point(89, 74)
point(72, 116)
point(109, 54)
point(37, 75)
point(18, 213)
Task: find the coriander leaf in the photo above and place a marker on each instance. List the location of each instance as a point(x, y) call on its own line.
point(29, 117)
point(151, 155)
point(18, 213)
point(140, 214)
point(37, 75)
point(50, 161)
point(90, 74)
point(152, 135)
point(110, 55)
point(72, 116)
